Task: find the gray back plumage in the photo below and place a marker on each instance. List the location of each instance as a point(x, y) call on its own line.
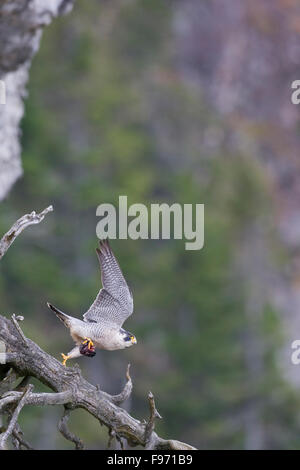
point(114, 302)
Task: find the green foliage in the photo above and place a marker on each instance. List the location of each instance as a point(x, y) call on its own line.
point(107, 115)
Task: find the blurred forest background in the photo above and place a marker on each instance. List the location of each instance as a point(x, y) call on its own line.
point(169, 101)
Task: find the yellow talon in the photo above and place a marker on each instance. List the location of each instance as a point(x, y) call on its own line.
point(65, 358)
point(89, 341)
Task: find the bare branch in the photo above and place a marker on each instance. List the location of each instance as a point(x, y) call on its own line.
point(4, 436)
point(173, 445)
point(120, 441)
point(150, 437)
point(70, 388)
point(19, 226)
point(111, 436)
point(18, 328)
point(18, 436)
point(15, 442)
point(7, 383)
point(24, 382)
point(126, 392)
point(63, 428)
point(38, 399)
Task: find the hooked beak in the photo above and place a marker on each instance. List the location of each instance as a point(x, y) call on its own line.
point(133, 340)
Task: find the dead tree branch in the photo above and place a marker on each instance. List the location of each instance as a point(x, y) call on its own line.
point(19, 226)
point(17, 327)
point(19, 438)
point(38, 399)
point(126, 392)
point(26, 359)
point(63, 428)
point(71, 389)
point(150, 436)
point(4, 436)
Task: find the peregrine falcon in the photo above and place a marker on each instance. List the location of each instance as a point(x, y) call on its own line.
point(102, 323)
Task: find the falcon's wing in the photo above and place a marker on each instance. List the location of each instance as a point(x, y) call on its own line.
point(114, 302)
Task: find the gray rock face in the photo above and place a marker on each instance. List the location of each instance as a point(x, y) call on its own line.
point(21, 26)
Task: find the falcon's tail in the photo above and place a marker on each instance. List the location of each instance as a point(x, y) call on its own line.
point(61, 315)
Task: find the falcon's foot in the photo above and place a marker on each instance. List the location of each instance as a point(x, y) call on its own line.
point(89, 342)
point(65, 358)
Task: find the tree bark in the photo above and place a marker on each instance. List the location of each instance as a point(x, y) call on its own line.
point(21, 26)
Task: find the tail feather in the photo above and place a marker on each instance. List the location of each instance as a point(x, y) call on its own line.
point(61, 315)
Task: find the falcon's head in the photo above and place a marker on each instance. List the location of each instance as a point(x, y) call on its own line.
point(128, 338)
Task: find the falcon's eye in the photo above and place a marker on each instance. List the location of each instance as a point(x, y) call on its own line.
point(127, 338)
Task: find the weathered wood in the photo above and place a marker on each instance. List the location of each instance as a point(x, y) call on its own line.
point(21, 26)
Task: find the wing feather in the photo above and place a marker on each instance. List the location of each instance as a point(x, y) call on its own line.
point(114, 302)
